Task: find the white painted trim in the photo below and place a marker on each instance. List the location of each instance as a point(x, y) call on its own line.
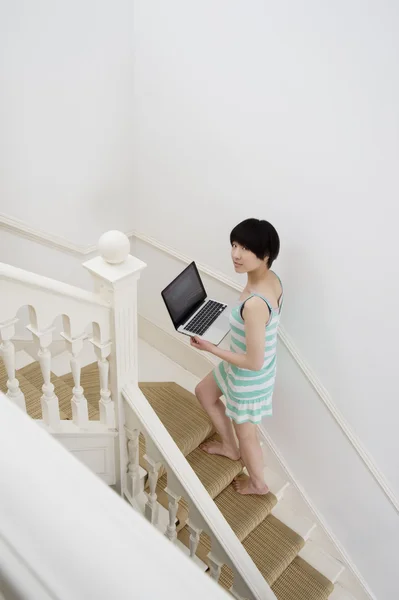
point(16, 226)
point(41, 237)
point(320, 520)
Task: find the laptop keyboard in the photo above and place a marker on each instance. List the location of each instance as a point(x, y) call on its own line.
point(205, 317)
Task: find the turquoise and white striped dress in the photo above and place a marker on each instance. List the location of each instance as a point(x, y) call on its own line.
point(249, 393)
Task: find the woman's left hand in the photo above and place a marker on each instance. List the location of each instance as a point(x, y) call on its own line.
point(200, 344)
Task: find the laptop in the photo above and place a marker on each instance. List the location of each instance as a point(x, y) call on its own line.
point(191, 311)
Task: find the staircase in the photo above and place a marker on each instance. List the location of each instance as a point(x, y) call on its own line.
point(272, 545)
point(144, 438)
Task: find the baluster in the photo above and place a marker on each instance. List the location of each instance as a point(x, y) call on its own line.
point(106, 404)
point(133, 467)
point(14, 393)
point(195, 534)
point(49, 401)
point(215, 566)
point(152, 507)
point(173, 505)
point(80, 413)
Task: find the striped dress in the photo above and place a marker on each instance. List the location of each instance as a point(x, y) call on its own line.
point(249, 393)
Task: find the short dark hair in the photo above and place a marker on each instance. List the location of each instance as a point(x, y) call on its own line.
point(260, 237)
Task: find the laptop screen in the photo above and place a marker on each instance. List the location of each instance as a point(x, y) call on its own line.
point(184, 295)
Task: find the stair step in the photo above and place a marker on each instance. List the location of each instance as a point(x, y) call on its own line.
point(244, 513)
point(301, 525)
point(324, 563)
point(300, 581)
point(180, 412)
point(215, 472)
point(273, 546)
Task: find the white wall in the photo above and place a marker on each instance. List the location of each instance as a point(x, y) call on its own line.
point(66, 81)
point(265, 109)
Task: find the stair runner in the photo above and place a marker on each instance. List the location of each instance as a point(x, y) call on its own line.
point(272, 545)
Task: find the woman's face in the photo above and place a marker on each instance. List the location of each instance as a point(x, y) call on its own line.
point(244, 260)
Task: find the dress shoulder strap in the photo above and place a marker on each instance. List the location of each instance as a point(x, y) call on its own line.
point(258, 296)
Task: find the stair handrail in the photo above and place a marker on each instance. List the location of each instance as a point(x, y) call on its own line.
point(34, 280)
point(186, 479)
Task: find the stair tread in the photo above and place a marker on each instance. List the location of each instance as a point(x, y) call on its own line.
point(300, 581)
point(215, 472)
point(272, 546)
point(180, 412)
point(244, 513)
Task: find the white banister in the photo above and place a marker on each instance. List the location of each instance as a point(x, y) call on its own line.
point(44, 557)
point(203, 512)
point(7, 350)
point(115, 275)
point(48, 299)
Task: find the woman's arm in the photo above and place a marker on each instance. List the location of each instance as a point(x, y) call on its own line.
point(256, 315)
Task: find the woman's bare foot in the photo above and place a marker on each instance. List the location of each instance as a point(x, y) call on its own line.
point(244, 486)
point(213, 447)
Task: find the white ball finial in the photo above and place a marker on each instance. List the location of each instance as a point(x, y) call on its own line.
point(114, 247)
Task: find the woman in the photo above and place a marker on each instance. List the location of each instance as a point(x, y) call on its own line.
point(247, 372)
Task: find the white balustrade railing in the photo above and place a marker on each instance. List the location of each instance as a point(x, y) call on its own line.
point(204, 515)
point(111, 313)
point(47, 299)
point(109, 552)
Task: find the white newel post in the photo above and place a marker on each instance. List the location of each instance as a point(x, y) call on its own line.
point(7, 350)
point(116, 274)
